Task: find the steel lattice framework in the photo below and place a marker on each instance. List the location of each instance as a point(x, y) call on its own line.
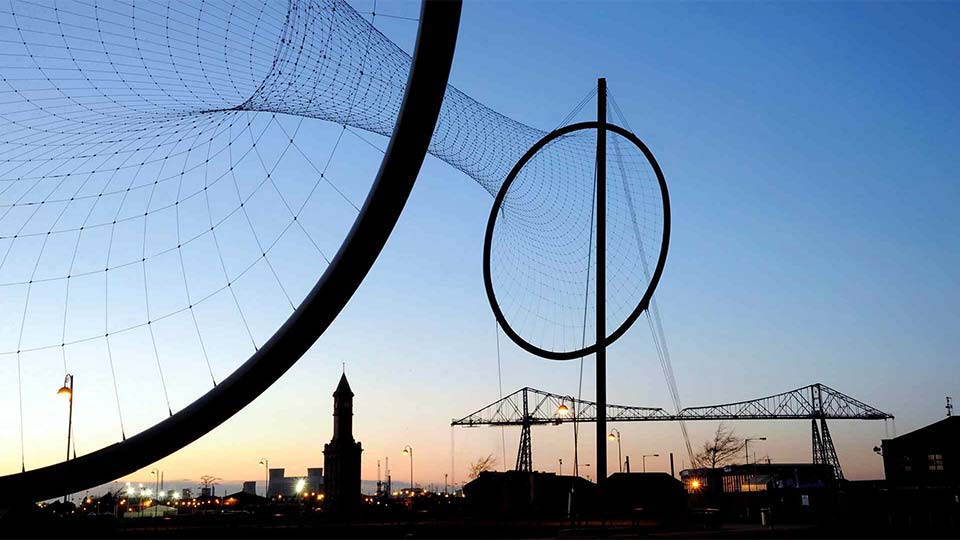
point(809, 402)
point(529, 406)
point(816, 402)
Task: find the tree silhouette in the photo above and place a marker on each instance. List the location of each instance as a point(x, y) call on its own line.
point(720, 451)
point(488, 463)
point(207, 481)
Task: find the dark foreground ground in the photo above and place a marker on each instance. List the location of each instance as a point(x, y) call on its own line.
point(223, 526)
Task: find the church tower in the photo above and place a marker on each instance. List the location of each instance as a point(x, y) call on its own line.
point(341, 456)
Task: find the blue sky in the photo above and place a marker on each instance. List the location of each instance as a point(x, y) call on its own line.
point(810, 153)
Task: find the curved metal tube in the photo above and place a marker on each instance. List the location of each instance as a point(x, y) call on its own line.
point(426, 84)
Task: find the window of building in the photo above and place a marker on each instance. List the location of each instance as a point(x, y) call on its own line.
point(935, 462)
point(731, 483)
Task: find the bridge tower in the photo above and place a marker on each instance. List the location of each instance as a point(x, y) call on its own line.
point(525, 453)
point(824, 452)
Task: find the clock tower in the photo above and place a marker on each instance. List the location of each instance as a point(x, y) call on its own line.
point(341, 456)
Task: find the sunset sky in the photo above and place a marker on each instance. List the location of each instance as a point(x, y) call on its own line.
point(810, 151)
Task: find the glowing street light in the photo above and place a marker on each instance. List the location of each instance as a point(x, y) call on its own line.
point(67, 390)
point(615, 436)
point(301, 483)
point(408, 451)
point(563, 411)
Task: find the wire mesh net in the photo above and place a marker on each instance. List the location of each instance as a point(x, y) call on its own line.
point(543, 254)
point(175, 176)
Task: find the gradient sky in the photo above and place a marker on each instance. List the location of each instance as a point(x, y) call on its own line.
point(810, 151)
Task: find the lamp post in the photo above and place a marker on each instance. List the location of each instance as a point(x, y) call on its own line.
point(143, 492)
point(67, 389)
point(561, 466)
point(130, 493)
point(746, 451)
point(156, 473)
point(615, 435)
point(266, 477)
point(746, 448)
point(563, 410)
point(643, 460)
point(408, 451)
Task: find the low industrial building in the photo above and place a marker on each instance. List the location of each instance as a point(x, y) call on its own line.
point(243, 500)
point(657, 496)
point(287, 485)
point(922, 487)
point(790, 491)
point(925, 457)
point(529, 494)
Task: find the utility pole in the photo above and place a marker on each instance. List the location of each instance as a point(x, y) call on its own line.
point(601, 299)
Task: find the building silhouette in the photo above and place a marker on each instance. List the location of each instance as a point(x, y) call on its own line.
point(341, 456)
point(929, 456)
point(287, 485)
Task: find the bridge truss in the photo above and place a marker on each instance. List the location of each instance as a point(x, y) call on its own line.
point(816, 402)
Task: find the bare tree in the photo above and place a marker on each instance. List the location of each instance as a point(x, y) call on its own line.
point(208, 480)
point(488, 463)
point(720, 451)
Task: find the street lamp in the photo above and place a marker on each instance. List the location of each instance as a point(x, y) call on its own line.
point(563, 411)
point(746, 448)
point(561, 466)
point(615, 435)
point(408, 451)
point(643, 460)
point(266, 477)
point(143, 493)
point(67, 390)
point(156, 473)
